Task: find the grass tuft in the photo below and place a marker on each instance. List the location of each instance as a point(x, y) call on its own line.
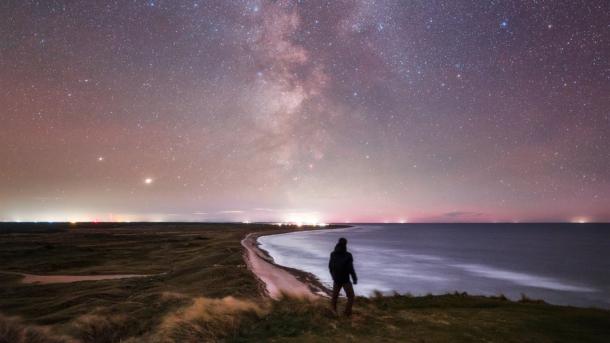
point(12, 330)
point(94, 328)
point(527, 300)
point(208, 320)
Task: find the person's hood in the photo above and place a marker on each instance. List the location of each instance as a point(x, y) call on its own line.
point(341, 248)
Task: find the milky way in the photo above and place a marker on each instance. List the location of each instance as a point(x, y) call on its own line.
point(305, 110)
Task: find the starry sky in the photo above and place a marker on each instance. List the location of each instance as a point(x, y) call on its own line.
point(312, 111)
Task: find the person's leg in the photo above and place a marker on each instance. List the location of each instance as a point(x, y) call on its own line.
point(335, 295)
point(349, 292)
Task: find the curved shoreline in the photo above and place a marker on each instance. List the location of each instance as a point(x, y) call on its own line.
point(277, 280)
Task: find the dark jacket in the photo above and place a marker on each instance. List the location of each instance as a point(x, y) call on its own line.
point(341, 266)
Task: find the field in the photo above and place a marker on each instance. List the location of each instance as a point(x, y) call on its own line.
point(201, 290)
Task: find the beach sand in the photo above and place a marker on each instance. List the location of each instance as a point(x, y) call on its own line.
point(277, 280)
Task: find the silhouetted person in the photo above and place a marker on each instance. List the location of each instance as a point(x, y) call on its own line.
point(341, 266)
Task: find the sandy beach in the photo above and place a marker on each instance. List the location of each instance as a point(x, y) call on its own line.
point(275, 279)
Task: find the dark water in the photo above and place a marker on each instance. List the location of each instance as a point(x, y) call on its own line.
point(560, 263)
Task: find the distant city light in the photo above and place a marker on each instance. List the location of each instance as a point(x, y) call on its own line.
point(304, 219)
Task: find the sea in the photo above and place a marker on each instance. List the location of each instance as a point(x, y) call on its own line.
point(564, 264)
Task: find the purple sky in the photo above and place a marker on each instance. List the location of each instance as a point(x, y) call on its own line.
point(305, 110)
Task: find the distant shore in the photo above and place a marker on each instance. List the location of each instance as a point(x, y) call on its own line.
point(276, 279)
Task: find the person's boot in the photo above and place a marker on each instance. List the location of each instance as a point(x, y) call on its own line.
point(333, 306)
point(348, 307)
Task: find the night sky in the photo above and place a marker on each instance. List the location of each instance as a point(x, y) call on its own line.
point(314, 111)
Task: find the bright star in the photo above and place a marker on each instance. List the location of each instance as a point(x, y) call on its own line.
point(148, 180)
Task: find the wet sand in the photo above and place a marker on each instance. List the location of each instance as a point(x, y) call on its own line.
point(277, 280)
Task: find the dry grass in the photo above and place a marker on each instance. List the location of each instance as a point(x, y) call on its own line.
point(447, 318)
point(12, 330)
point(208, 320)
point(94, 328)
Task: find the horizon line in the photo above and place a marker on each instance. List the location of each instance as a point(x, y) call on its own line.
point(296, 224)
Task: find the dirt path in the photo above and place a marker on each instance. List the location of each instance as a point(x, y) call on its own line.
point(44, 279)
point(277, 279)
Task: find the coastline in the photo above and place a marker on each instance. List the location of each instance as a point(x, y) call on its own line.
point(210, 295)
point(276, 280)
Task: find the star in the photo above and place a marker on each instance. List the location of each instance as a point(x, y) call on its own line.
point(255, 99)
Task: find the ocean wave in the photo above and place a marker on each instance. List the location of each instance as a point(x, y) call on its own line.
point(523, 279)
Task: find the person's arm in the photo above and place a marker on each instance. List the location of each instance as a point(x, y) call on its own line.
point(330, 266)
point(352, 272)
